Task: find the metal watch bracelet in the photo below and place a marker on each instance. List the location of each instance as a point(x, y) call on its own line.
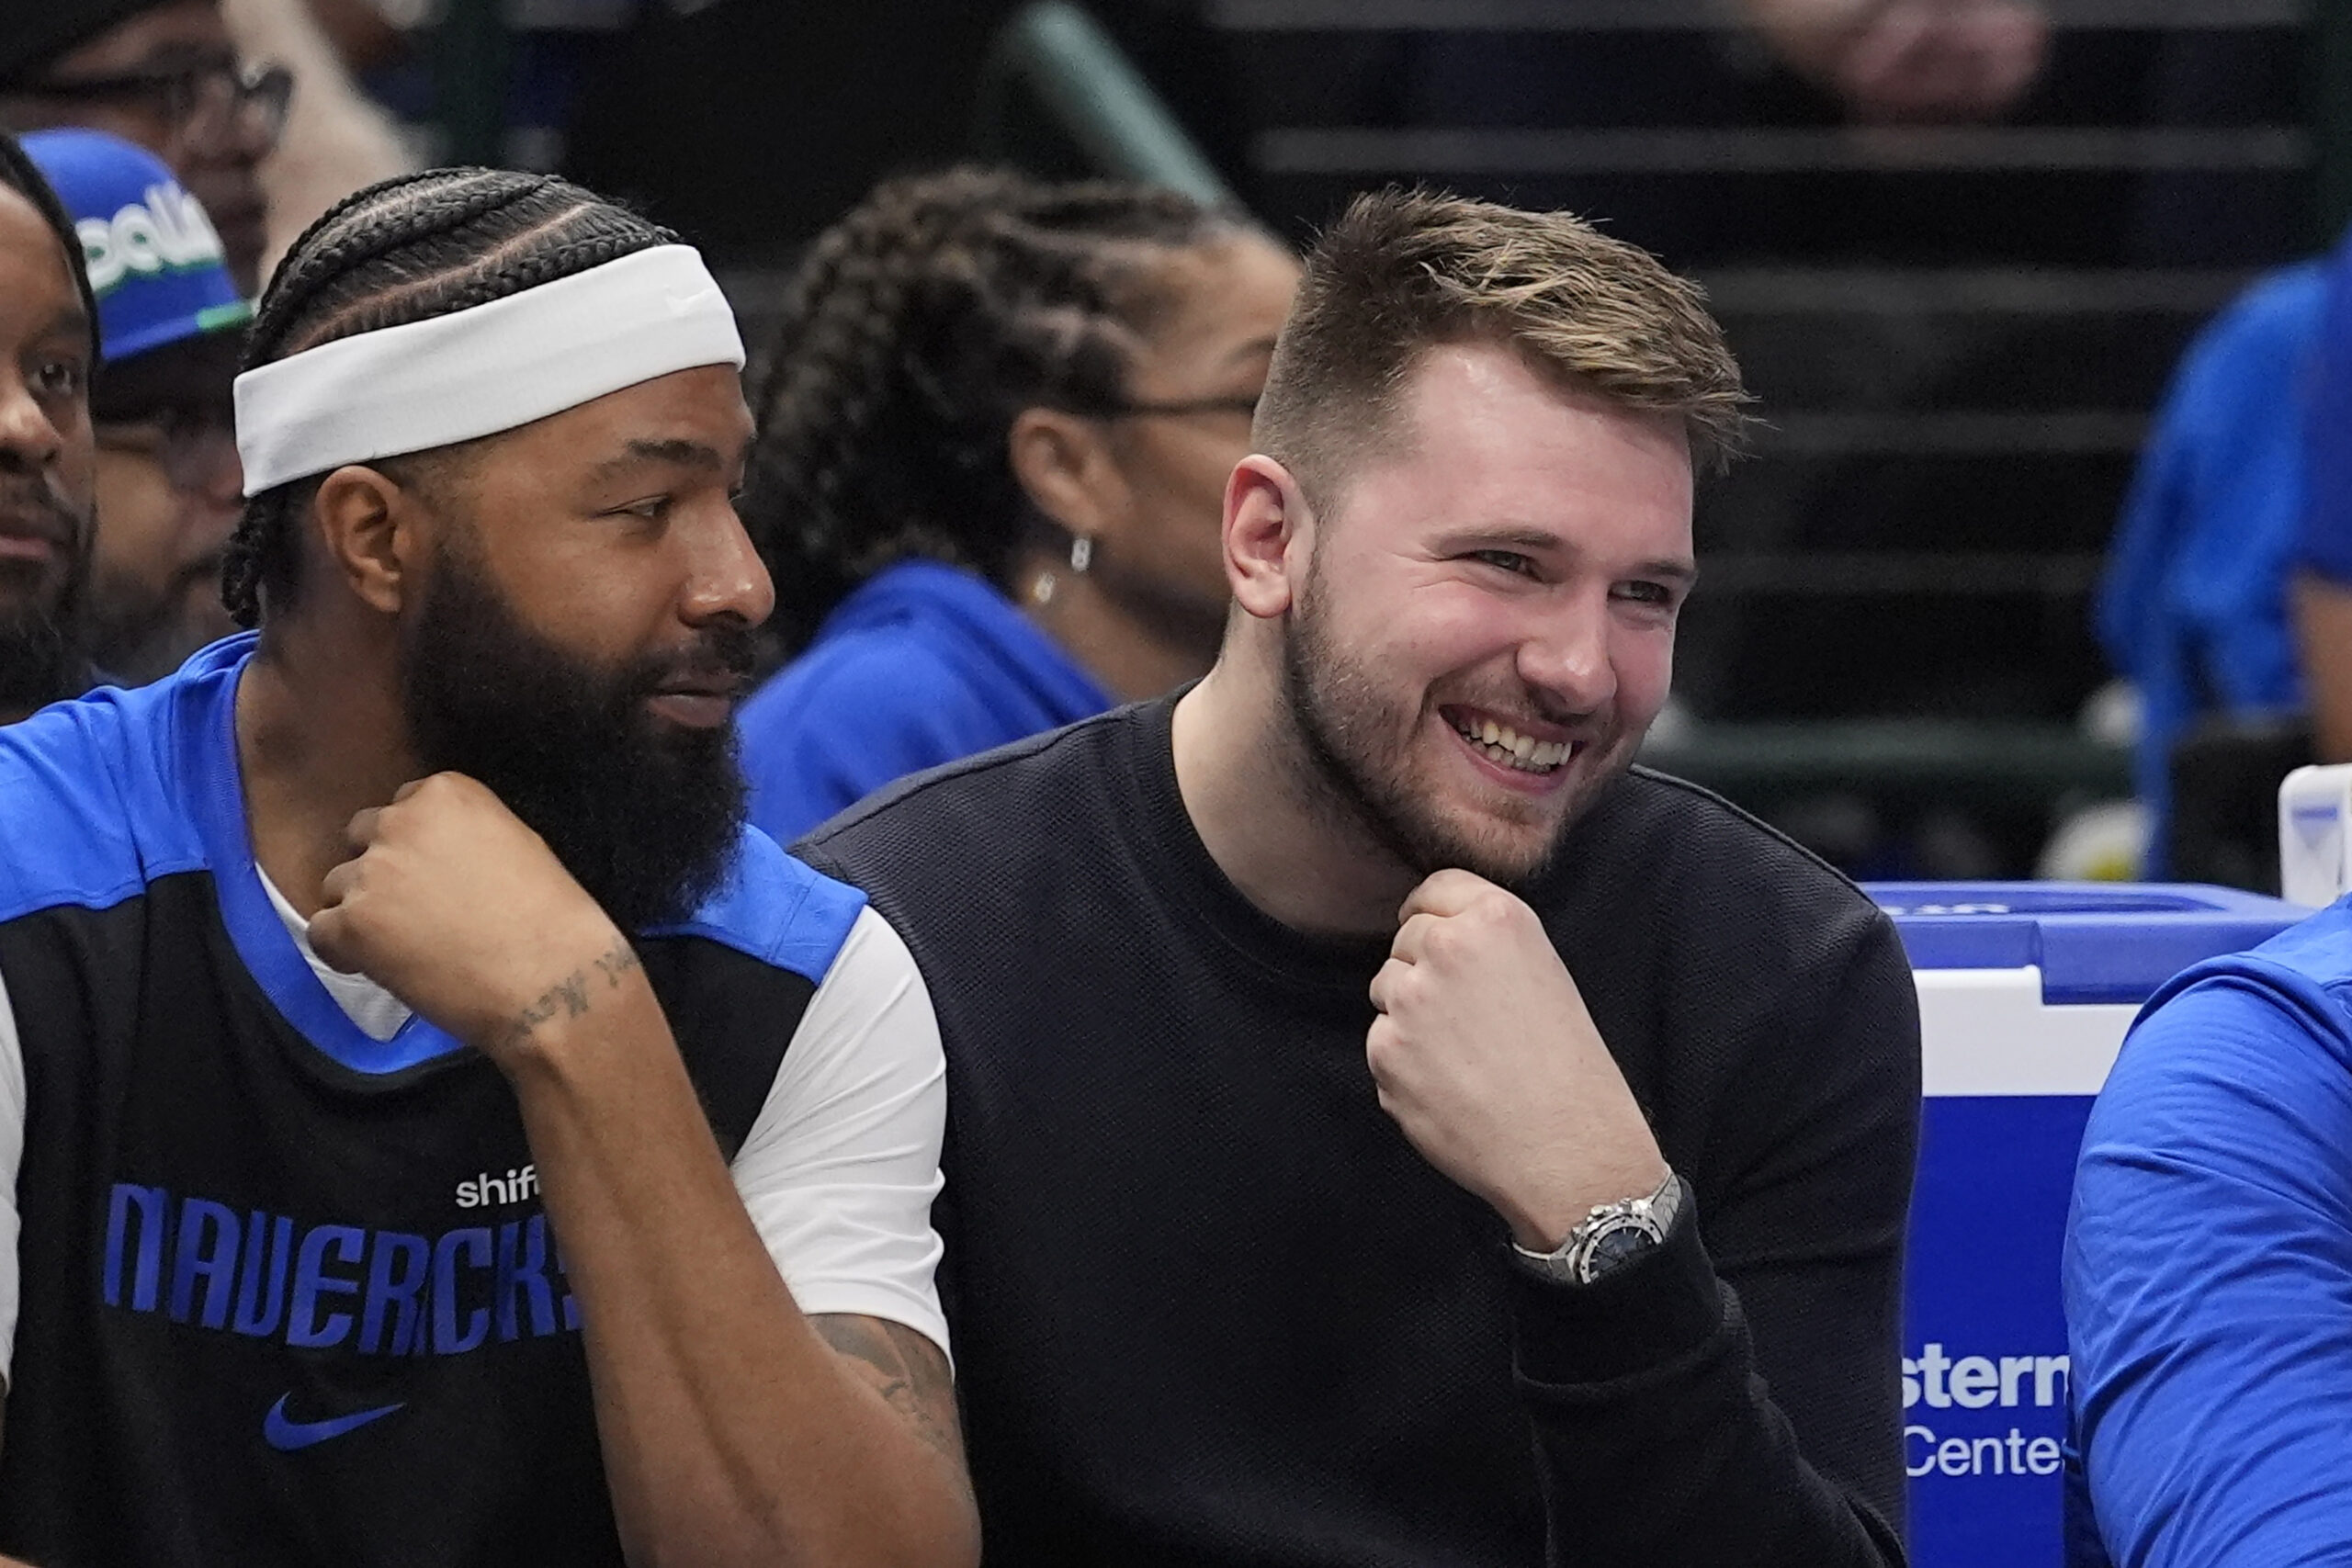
point(1609, 1237)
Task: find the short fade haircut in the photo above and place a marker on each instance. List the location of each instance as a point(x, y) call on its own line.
point(1406, 271)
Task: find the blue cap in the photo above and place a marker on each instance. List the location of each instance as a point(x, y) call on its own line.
point(156, 267)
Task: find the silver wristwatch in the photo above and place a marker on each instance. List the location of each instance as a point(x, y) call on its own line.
point(1610, 1236)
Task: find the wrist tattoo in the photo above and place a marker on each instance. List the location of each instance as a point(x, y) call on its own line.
point(619, 961)
point(567, 998)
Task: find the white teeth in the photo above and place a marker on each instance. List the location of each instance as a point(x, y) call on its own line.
point(1508, 747)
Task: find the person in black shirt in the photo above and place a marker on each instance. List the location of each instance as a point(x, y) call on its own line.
point(1386, 1126)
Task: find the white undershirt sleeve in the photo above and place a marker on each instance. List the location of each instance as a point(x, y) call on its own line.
point(838, 1172)
point(12, 1156)
point(840, 1169)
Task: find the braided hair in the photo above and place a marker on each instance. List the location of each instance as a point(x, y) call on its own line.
point(408, 249)
point(916, 329)
point(20, 173)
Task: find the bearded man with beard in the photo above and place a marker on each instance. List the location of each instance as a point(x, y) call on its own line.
point(1386, 1126)
point(435, 1129)
point(49, 346)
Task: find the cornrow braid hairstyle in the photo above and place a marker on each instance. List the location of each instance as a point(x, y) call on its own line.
point(405, 250)
point(19, 174)
point(914, 331)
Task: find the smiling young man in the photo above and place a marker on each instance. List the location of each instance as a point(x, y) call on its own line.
point(1384, 1125)
point(48, 345)
point(437, 1130)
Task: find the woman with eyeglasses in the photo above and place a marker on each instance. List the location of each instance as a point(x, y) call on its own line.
point(995, 434)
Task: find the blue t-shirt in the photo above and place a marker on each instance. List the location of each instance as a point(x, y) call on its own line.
point(2193, 605)
point(2325, 546)
point(923, 664)
point(2209, 1266)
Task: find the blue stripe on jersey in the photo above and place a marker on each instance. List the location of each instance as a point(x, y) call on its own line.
point(104, 795)
point(261, 939)
point(776, 909)
point(90, 794)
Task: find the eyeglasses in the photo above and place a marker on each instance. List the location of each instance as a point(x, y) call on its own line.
point(202, 100)
point(191, 445)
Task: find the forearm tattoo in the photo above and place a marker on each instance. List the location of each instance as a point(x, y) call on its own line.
point(569, 998)
point(908, 1370)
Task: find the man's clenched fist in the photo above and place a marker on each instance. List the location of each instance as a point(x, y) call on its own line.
point(1486, 1058)
point(456, 907)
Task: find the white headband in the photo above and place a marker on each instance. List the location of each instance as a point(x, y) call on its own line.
point(483, 370)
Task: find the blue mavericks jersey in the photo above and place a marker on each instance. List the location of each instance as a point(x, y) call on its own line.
point(289, 1294)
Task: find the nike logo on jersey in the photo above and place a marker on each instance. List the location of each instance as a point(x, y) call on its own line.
point(286, 1436)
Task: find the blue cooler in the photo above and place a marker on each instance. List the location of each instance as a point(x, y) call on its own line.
point(2025, 991)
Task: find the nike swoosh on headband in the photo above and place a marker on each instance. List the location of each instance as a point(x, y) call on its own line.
point(482, 371)
point(286, 1436)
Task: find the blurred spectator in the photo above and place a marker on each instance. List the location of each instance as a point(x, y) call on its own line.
point(49, 344)
point(171, 328)
point(991, 474)
point(551, 48)
point(335, 141)
point(2323, 549)
point(207, 86)
point(2193, 607)
point(1892, 61)
point(1810, 64)
point(165, 76)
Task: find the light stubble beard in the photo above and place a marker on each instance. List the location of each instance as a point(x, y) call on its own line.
point(1349, 759)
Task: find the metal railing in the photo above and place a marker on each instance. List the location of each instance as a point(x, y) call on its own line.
point(1054, 57)
point(2007, 765)
point(1692, 16)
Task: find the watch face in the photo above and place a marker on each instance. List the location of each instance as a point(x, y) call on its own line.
point(1612, 1247)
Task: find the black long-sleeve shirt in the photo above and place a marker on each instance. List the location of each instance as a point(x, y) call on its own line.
point(1210, 1307)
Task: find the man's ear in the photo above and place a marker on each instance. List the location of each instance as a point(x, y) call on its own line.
point(1266, 514)
point(368, 525)
point(1061, 462)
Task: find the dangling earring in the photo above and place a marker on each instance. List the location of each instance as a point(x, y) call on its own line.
point(1081, 556)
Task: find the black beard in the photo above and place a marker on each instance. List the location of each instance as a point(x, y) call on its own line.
point(645, 815)
point(41, 657)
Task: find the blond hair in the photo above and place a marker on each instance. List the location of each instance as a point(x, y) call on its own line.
point(1405, 271)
